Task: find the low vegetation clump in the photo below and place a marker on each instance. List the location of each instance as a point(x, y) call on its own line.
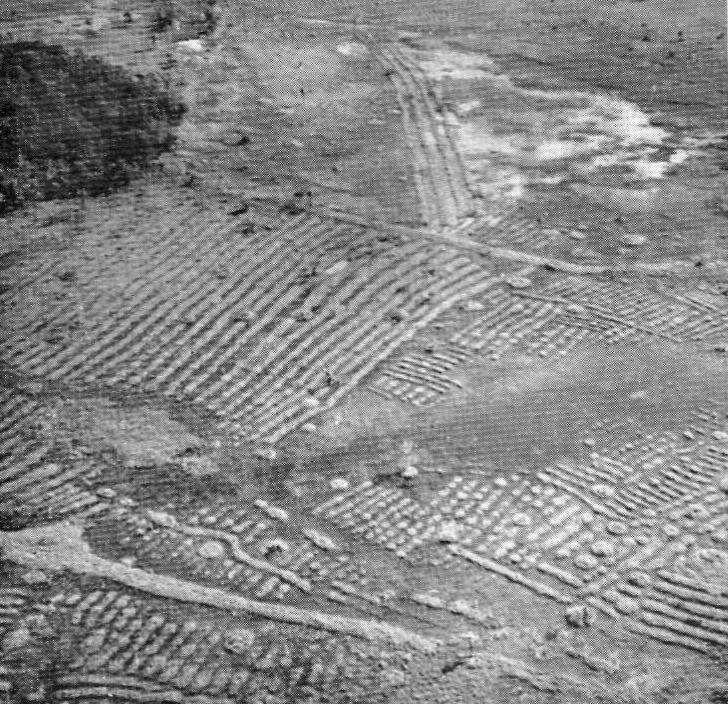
point(73, 124)
point(196, 18)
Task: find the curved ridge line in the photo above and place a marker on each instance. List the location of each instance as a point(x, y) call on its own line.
point(167, 521)
point(60, 546)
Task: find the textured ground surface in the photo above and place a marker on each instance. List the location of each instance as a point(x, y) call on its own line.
point(403, 379)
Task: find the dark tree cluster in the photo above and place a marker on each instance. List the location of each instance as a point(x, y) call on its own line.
point(73, 124)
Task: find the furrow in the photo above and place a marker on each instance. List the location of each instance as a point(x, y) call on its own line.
point(278, 293)
point(366, 362)
point(436, 125)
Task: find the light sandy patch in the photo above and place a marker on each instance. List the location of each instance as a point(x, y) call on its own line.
point(611, 116)
point(570, 131)
point(455, 65)
point(467, 107)
point(551, 135)
point(476, 139)
point(558, 149)
point(191, 45)
point(356, 50)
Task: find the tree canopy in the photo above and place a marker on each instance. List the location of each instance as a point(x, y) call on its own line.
point(72, 123)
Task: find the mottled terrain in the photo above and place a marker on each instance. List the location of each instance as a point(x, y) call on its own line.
point(401, 378)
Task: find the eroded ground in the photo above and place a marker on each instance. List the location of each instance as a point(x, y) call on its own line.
point(403, 379)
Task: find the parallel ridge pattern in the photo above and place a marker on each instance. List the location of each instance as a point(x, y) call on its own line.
point(169, 258)
point(676, 590)
point(628, 312)
point(566, 546)
point(421, 378)
point(266, 328)
point(37, 274)
point(441, 177)
point(12, 603)
point(145, 655)
point(678, 609)
point(675, 483)
point(528, 530)
point(514, 321)
point(649, 480)
point(126, 637)
point(95, 688)
point(708, 420)
point(573, 310)
point(697, 299)
point(389, 517)
point(659, 565)
point(509, 228)
point(382, 514)
point(41, 320)
point(30, 484)
point(392, 301)
point(460, 515)
point(537, 324)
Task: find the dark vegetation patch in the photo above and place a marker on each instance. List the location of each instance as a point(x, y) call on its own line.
point(190, 19)
point(73, 124)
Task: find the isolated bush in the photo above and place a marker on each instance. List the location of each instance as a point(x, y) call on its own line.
point(191, 19)
point(70, 123)
point(163, 17)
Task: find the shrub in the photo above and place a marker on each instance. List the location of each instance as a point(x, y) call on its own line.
point(163, 17)
point(70, 123)
point(187, 20)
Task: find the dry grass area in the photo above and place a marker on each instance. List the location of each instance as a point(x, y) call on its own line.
point(400, 378)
